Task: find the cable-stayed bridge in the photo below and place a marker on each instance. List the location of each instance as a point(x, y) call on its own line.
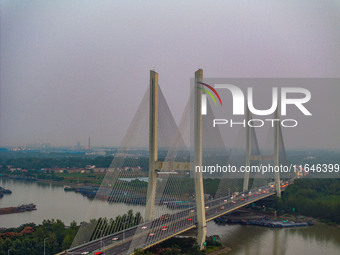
point(153, 232)
point(173, 198)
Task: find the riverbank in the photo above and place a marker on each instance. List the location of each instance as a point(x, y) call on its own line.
point(49, 181)
point(307, 218)
point(61, 183)
point(289, 216)
point(248, 216)
point(219, 251)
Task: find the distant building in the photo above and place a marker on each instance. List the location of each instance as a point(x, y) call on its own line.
point(99, 170)
point(13, 169)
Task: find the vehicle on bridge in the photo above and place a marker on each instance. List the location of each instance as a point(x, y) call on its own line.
point(165, 216)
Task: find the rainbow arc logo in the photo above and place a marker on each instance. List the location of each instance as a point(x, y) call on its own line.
point(209, 93)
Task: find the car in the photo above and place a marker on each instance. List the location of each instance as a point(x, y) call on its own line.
point(115, 238)
point(164, 228)
point(85, 252)
point(222, 207)
point(144, 227)
point(165, 217)
point(151, 234)
point(192, 210)
point(207, 207)
point(234, 202)
point(98, 253)
point(189, 219)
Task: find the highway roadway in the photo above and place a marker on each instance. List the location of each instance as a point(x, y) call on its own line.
point(150, 233)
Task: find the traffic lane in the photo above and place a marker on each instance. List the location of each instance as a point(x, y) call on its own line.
point(156, 223)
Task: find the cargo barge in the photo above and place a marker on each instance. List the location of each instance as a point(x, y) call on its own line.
point(264, 222)
point(5, 191)
point(18, 209)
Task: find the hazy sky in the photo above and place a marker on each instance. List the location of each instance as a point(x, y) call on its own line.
point(71, 69)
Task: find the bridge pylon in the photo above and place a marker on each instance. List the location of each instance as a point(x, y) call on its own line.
point(250, 137)
point(248, 150)
point(153, 147)
point(153, 155)
point(276, 150)
point(199, 190)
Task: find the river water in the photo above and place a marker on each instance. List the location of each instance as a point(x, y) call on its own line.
point(54, 203)
point(254, 240)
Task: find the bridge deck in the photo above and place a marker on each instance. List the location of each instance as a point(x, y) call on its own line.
point(150, 233)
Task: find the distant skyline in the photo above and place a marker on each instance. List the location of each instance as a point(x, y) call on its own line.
point(70, 70)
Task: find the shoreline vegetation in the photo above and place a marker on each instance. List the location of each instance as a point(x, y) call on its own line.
point(28, 239)
point(315, 198)
point(185, 246)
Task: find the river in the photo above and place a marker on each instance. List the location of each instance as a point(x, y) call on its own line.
point(255, 240)
point(54, 203)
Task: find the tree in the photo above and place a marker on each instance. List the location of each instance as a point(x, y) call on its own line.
point(141, 252)
point(67, 242)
